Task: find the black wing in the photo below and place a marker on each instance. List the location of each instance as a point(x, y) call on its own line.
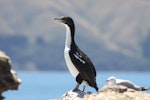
point(83, 65)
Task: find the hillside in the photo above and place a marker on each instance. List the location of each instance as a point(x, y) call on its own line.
point(114, 34)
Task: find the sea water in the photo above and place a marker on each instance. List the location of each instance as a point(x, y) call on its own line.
point(52, 85)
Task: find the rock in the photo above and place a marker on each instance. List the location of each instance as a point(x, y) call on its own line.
point(109, 92)
point(77, 95)
point(8, 77)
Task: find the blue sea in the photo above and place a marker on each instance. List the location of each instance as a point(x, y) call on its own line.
point(52, 85)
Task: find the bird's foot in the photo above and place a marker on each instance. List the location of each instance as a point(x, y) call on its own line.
point(76, 90)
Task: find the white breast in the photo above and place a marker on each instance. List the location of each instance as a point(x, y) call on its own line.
point(69, 63)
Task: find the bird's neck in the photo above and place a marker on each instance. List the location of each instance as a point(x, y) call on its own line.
point(112, 83)
point(69, 36)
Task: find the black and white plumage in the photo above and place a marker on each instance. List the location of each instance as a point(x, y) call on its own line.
point(78, 63)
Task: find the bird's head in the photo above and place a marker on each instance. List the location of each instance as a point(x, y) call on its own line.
point(69, 24)
point(111, 80)
point(65, 20)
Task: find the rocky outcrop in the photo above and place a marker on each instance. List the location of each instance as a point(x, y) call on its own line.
point(109, 92)
point(8, 77)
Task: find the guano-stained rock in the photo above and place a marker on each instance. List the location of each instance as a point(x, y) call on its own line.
point(109, 92)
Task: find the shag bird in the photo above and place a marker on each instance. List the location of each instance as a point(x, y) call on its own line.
point(78, 63)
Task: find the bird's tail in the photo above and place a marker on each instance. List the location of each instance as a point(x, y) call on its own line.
point(145, 88)
point(96, 89)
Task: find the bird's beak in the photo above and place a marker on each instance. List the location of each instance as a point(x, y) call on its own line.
point(106, 80)
point(58, 19)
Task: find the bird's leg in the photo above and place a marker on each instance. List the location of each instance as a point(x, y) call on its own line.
point(83, 89)
point(77, 87)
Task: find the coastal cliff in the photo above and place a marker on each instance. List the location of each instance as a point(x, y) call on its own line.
point(108, 92)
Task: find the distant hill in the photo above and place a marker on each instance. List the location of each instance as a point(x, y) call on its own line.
point(114, 34)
